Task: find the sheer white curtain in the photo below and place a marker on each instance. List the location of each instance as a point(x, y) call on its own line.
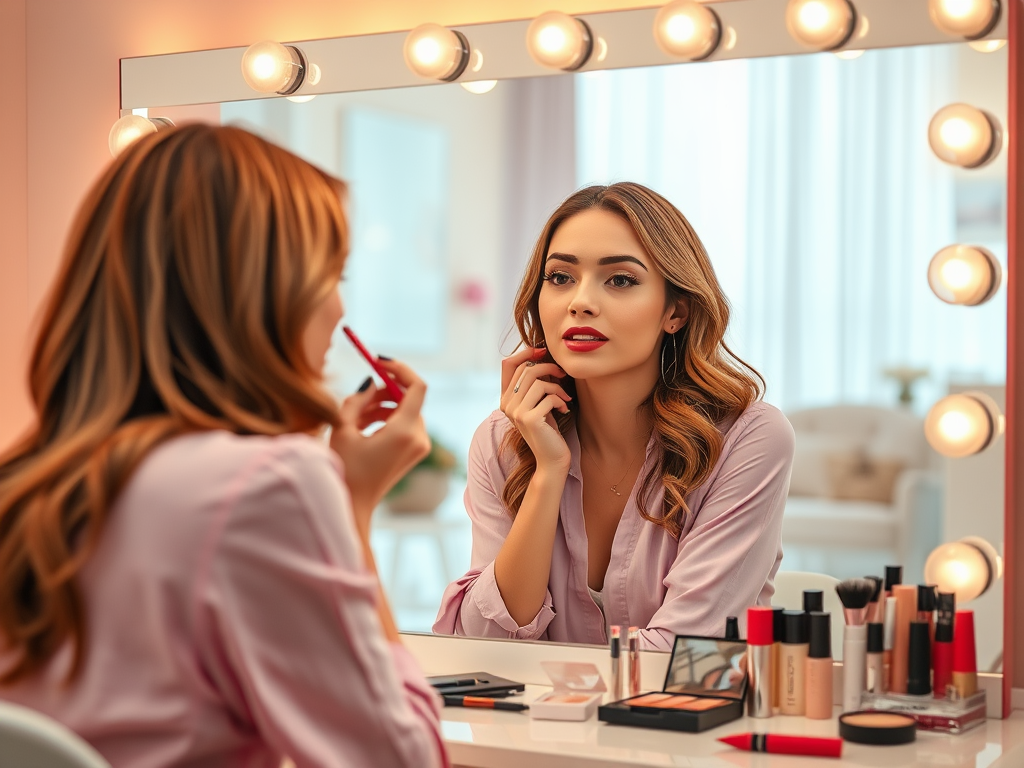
point(811, 183)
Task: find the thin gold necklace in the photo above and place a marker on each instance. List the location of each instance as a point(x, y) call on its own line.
point(615, 488)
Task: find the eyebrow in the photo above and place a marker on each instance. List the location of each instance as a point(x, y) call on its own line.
point(618, 259)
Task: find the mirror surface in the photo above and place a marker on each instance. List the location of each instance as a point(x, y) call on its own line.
point(708, 667)
point(812, 185)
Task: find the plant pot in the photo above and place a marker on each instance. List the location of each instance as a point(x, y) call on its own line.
point(422, 492)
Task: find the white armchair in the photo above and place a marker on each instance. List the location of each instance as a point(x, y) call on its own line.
point(864, 478)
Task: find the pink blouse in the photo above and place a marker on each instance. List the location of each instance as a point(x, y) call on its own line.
point(724, 561)
point(231, 621)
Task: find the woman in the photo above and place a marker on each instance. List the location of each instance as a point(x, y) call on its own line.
point(185, 573)
point(632, 476)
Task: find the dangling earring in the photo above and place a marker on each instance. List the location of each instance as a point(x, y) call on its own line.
point(668, 372)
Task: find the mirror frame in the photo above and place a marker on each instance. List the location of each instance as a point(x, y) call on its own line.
point(374, 62)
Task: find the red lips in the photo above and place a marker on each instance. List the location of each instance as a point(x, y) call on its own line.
point(588, 339)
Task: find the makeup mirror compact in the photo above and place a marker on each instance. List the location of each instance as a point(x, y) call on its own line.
point(578, 690)
point(705, 686)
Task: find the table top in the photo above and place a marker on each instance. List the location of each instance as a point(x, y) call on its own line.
point(493, 739)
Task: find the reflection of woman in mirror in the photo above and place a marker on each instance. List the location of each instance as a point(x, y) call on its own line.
point(632, 476)
point(185, 570)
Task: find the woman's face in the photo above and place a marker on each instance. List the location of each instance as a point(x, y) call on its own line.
point(316, 339)
point(603, 303)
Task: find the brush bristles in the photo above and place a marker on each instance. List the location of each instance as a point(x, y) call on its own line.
point(878, 588)
point(855, 593)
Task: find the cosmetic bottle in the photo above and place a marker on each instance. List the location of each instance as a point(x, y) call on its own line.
point(965, 660)
point(906, 611)
point(819, 667)
point(634, 661)
point(893, 576)
point(615, 647)
point(926, 606)
point(814, 600)
point(919, 675)
point(778, 630)
point(889, 638)
point(760, 641)
point(942, 648)
point(793, 655)
point(876, 658)
point(732, 628)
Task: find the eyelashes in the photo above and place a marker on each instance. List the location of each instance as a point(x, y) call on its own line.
point(618, 280)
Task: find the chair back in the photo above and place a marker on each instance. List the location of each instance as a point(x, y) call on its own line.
point(29, 739)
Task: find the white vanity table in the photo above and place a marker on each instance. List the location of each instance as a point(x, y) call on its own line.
point(489, 739)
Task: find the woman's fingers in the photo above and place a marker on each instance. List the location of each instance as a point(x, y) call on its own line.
point(526, 374)
point(511, 364)
point(415, 388)
point(373, 415)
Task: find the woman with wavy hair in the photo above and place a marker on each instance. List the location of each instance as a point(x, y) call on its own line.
point(185, 574)
point(632, 476)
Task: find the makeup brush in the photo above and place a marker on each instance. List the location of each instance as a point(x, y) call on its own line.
point(875, 608)
point(855, 594)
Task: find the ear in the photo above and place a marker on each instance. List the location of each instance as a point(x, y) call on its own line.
point(677, 315)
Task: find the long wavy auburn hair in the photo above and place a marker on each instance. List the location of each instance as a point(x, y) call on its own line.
point(708, 385)
point(191, 271)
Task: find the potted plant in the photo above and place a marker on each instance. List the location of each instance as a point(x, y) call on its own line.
point(424, 486)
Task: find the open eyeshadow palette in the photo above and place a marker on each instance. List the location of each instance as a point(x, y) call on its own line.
point(705, 686)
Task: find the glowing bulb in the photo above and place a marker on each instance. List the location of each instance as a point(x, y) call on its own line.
point(967, 568)
point(987, 46)
point(687, 29)
point(963, 424)
point(850, 54)
point(964, 274)
point(962, 135)
point(480, 86)
point(127, 131)
point(559, 41)
point(270, 67)
point(302, 99)
point(971, 19)
point(823, 25)
point(436, 52)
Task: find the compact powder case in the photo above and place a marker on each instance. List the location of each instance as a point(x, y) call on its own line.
point(883, 728)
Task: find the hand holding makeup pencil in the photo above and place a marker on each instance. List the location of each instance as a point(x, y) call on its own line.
point(375, 463)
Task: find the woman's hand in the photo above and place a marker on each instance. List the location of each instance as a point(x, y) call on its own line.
point(374, 463)
point(528, 401)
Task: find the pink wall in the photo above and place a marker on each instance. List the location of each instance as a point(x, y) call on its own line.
point(60, 65)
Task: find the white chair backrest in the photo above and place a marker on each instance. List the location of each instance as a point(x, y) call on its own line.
point(890, 433)
point(29, 739)
point(789, 594)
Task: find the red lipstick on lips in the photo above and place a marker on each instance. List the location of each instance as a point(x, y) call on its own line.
point(587, 339)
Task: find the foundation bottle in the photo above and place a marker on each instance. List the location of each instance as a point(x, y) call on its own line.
point(818, 676)
point(778, 629)
point(793, 660)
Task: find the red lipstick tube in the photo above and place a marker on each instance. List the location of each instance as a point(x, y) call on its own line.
point(965, 659)
point(783, 744)
point(942, 648)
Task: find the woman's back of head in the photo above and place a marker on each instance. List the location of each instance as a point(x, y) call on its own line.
point(191, 270)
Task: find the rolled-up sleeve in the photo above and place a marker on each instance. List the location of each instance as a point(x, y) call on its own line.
point(726, 561)
point(291, 636)
point(472, 604)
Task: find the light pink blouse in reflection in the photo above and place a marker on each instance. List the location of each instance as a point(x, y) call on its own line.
point(724, 561)
point(231, 621)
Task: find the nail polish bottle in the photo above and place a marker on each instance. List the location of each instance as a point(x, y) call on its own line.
point(819, 667)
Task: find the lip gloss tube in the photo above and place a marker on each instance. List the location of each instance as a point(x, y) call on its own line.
point(634, 661)
point(615, 646)
point(876, 661)
point(906, 610)
point(965, 658)
point(792, 697)
point(889, 637)
point(819, 667)
point(942, 648)
point(760, 643)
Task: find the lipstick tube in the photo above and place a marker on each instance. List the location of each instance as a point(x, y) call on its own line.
point(876, 660)
point(965, 659)
point(942, 648)
point(760, 641)
point(889, 635)
point(818, 678)
point(634, 661)
point(906, 611)
point(615, 647)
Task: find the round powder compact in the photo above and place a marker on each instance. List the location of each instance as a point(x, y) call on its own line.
point(877, 728)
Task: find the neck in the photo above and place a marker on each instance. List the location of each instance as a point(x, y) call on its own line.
point(611, 423)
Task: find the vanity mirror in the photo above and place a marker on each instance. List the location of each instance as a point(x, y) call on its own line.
point(809, 178)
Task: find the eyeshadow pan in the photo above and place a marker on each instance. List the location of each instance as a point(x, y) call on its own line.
point(702, 705)
point(648, 699)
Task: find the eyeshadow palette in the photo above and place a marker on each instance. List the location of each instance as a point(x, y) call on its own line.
point(705, 687)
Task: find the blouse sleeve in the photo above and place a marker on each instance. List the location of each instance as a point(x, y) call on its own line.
point(472, 604)
point(726, 558)
point(290, 632)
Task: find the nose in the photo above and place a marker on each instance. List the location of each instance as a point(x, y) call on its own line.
point(581, 302)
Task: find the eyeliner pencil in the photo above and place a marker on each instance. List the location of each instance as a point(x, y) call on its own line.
point(484, 703)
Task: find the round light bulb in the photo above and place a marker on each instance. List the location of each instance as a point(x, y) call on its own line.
point(968, 275)
point(302, 99)
point(962, 135)
point(559, 41)
point(987, 46)
point(436, 52)
point(964, 18)
point(823, 25)
point(480, 86)
point(967, 568)
point(687, 29)
point(270, 67)
point(127, 131)
point(963, 424)
point(853, 53)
